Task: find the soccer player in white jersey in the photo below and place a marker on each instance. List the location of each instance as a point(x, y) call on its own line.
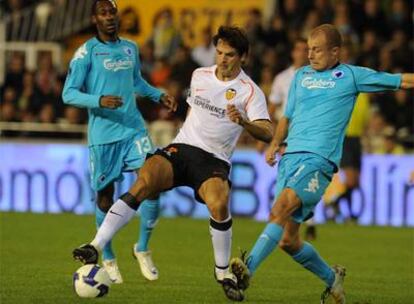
point(223, 101)
point(320, 102)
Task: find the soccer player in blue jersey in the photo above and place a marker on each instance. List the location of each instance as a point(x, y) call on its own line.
point(320, 103)
point(104, 76)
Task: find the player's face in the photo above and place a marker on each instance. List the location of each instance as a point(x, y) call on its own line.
point(300, 54)
point(106, 18)
point(228, 60)
point(321, 55)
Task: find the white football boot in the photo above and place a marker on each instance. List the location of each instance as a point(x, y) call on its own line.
point(112, 269)
point(229, 283)
point(337, 290)
point(148, 269)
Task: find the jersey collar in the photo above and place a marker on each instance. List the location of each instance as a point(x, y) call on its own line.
point(104, 42)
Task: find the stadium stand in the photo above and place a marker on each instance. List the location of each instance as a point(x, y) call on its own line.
point(38, 35)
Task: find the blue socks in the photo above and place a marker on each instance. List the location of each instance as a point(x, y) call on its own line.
point(150, 210)
point(107, 253)
point(265, 244)
point(309, 258)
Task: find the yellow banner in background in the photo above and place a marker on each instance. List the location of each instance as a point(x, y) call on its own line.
point(189, 17)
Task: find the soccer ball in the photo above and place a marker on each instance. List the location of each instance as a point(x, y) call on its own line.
point(91, 281)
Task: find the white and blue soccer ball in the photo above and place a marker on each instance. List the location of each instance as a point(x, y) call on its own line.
point(91, 281)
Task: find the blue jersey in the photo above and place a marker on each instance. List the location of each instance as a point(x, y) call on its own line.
point(108, 68)
point(320, 105)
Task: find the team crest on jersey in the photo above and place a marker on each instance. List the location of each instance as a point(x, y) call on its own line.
point(230, 94)
point(337, 74)
point(128, 50)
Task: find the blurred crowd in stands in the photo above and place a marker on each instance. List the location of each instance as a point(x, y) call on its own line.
point(377, 34)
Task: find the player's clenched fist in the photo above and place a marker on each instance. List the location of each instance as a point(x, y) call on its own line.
point(272, 151)
point(271, 154)
point(110, 102)
point(234, 114)
point(169, 102)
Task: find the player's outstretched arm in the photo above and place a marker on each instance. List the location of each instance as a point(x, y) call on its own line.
point(277, 141)
point(407, 81)
point(261, 129)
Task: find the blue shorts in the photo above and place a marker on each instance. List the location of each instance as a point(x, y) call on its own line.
point(108, 161)
point(308, 174)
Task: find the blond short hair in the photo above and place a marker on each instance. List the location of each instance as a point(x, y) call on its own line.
point(333, 37)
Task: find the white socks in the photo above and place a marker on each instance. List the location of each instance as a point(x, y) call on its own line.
point(221, 233)
point(117, 217)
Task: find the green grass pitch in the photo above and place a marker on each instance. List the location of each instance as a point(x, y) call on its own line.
point(36, 264)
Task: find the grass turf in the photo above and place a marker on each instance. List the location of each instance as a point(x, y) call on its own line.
point(36, 264)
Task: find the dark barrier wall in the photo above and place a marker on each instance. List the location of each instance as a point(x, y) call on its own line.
point(54, 178)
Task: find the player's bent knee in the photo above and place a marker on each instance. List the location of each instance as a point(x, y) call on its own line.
point(221, 201)
point(281, 213)
point(289, 245)
point(292, 198)
point(284, 207)
point(144, 188)
point(285, 244)
point(219, 212)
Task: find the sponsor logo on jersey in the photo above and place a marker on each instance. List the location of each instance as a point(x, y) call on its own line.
point(313, 83)
point(230, 94)
point(116, 65)
point(205, 104)
point(337, 74)
point(128, 50)
point(102, 54)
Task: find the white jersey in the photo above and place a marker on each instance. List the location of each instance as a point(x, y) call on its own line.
point(207, 125)
point(280, 89)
